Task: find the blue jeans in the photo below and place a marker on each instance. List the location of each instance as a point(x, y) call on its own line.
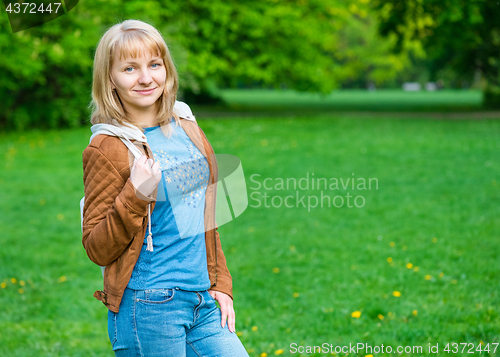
point(170, 322)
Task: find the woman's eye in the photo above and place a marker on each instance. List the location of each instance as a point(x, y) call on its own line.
point(155, 65)
point(129, 69)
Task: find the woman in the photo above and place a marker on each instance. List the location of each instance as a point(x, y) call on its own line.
point(151, 221)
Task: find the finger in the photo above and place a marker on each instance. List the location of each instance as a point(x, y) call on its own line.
point(140, 161)
point(223, 313)
point(156, 167)
point(149, 164)
point(231, 321)
point(136, 160)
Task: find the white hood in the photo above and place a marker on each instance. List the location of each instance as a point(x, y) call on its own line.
point(131, 132)
point(125, 131)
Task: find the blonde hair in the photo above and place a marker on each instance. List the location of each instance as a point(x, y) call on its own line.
point(128, 38)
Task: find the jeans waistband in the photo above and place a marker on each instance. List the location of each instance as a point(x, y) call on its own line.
point(143, 294)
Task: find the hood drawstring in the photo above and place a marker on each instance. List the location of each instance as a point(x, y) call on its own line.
point(150, 235)
point(149, 239)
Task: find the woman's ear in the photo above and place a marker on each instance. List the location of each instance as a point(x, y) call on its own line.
point(113, 87)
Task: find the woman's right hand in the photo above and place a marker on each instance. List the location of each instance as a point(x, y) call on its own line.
point(145, 175)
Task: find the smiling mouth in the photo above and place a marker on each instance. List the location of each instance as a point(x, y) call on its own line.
point(145, 91)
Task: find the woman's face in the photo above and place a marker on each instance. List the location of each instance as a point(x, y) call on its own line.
point(139, 82)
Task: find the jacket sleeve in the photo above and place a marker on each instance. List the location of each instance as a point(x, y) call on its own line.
point(114, 210)
point(224, 280)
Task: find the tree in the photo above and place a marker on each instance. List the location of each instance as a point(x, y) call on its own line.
point(309, 45)
point(463, 35)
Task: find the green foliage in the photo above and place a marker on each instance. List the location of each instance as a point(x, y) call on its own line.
point(46, 73)
point(457, 34)
point(309, 45)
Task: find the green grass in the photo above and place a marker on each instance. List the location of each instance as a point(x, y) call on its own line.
point(382, 100)
point(298, 273)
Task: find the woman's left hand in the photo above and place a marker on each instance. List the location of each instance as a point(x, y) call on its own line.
point(226, 308)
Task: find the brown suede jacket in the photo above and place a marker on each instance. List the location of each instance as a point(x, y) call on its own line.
point(115, 214)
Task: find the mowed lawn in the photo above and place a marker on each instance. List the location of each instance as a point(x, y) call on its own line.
point(417, 263)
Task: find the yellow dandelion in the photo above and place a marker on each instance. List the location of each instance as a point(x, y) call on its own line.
point(13, 280)
point(369, 356)
point(356, 314)
point(295, 295)
point(389, 260)
point(454, 281)
point(415, 312)
point(392, 244)
point(62, 279)
point(441, 274)
point(380, 316)
point(22, 283)
point(263, 354)
point(276, 270)
point(434, 240)
point(254, 328)
point(416, 269)
point(21, 291)
point(279, 352)
point(428, 277)
point(409, 265)
point(3, 285)
point(396, 293)
point(239, 333)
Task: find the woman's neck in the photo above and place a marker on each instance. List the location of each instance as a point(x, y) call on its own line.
point(143, 117)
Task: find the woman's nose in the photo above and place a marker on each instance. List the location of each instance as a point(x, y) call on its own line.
point(145, 77)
